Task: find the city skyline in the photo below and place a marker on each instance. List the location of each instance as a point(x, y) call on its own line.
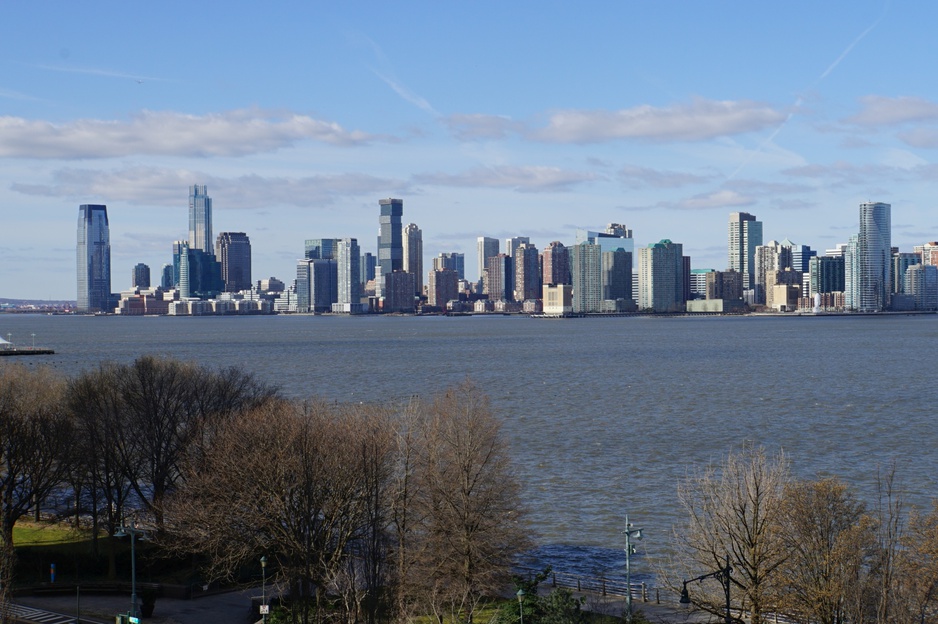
point(488, 120)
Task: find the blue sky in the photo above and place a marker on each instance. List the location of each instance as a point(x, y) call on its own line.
point(487, 118)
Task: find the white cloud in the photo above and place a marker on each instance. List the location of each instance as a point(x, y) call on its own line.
point(523, 179)
point(153, 186)
point(698, 121)
point(885, 111)
point(470, 127)
point(723, 198)
point(638, 177)
point(232, 133)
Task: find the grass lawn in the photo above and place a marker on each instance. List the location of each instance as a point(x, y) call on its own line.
point(45, 534)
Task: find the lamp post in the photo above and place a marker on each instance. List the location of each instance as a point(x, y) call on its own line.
point(629, 551)
point(133, 532)
point(520, 595)
point(34, 341)
point(264, 588)
point(722, 575)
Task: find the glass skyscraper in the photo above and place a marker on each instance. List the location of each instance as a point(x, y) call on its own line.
point(745, 234)
point(390, 241)
point(874, 255)
point(94, 259)
point(200, 219)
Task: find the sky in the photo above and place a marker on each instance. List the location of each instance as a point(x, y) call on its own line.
point(488, 118)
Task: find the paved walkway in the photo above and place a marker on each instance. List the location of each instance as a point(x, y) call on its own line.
point(227, 608)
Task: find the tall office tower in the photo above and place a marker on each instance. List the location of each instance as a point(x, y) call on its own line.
point(316, 288)
point(745, 234)
point(873, 257)
point(618, 230)
point(698, 283)
point(615, 237)
point(616, 275)
point(900, 264)
point(390, 243)
point(141, 276)
point(94, 259)
point(661, 277)
point(921, 282)
point(167, 282)
point(348, 274)
point(499, 278)
point(181, 268)
point(486, 248)
point(454, 261)
point(200, 219)
point(233, 252)
point(320, 248)
point(513, 243)
point(586, 274)
point(851, 273)
point(827, 274)
point(527, 269)
point(555, 264)
point(413, 254)
point(800, 256)
point(442, 287)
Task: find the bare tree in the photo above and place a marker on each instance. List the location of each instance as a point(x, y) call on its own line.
point(830, 541)
point(733, 510)
point(469, 503)
point(917, 568)
point(34, 445)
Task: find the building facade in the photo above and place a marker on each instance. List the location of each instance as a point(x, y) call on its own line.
point(141, 276)
point(745, 234)
point(874, 253)
point(661, 277)
point(413, 254)
point(555, 264)
point(586, 272)
point(200, 219)
point(94, 259)
point(486, 248)
point(348, 277)
point(233, 252)
point(527, 269)
point(390, 241)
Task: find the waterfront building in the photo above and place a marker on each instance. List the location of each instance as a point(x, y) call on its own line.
point(200, 219)
point(270, 285)
point(498, 282)
point(94, 259)
point(921, 283)
point(486, 248)
point(555, 264)
point(781, 298)
point(233, 252)
point(827, 274)
point(141, 276)
point(348, 277)
point(851, 273)
point(586, 271)
point(928, 252)
point(442, 287)
point(167, 283)
point(558, 299)
point(527, 272)
point(726, 285)
point(745, 234)
point(316, 285)
point(873, 257)
point(454, 261)
point(367, 268)
point(698, 283)
point(511, 244)
point(616, 236)
point(661, 277)
point(413, 255)
point(801, 256)
point(900, 264)
point(399, 292)
point(616, 275)
point(390, 241)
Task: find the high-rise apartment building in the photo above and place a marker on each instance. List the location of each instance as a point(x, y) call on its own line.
point(513, 243)
point(555, 264)
point(412, 240)
point(442, 287)
point(200, 219)
point(827, 274)
point(900, 264)
point(874, 253)
point(94, 259)
point(454, 261)
point(527, 269)
point(586, 274)
point(167, 281)
point(617, 275)
point(316, 285)
point(390, 241)
point(233, 252)
point(499, 278)
point(348, 274)
point(661, 277)
point(319, 248)
point(487, 248)
point(745, 234)
point(921, 283)
point(141, 276)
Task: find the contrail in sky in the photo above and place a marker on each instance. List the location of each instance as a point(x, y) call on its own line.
point(800, 100)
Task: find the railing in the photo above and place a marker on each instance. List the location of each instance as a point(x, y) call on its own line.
point(599, 585)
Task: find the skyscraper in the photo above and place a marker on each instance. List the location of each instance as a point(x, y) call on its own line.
point(348, 274)
point(661, 277)
point(200, 219)
point(94, 259)
point(513, 243)
point(745, 234)
point(454, 261)
point(412, 240)
point(874, 254)
point(487, 248)
point(586, 273)
point(555, 264)
point(141, 276)
point(390, 243)
point(233, 251)
point(527, 269)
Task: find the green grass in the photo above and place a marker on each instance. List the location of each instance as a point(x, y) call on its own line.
point(44, 534)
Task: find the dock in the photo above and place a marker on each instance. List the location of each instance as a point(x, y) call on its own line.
point(26, 351)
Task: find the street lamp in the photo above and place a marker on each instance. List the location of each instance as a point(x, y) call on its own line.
point(520, 595)
point(723, 575)
point(264, 588)
point(629, 551)
point(133, 532)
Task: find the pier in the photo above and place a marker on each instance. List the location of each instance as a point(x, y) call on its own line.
point(26, 351)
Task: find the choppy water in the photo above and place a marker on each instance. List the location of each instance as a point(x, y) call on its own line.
point(604, 416)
